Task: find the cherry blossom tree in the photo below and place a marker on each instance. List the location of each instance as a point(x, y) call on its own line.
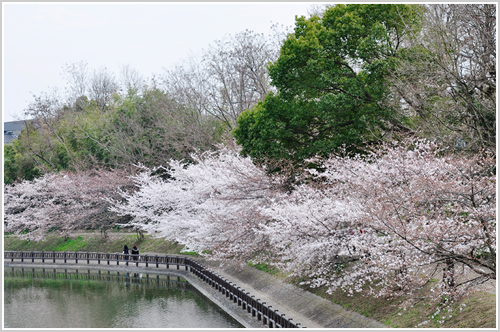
point(404, 213)
point(211, 204)
point(392, 220)
point(61, 202)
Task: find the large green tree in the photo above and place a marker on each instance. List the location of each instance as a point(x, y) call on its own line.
point(331, 83)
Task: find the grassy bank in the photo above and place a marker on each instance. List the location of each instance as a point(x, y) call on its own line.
point(479, 310)
point(94, 242)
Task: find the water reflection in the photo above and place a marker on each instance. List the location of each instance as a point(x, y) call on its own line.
point(70, 298)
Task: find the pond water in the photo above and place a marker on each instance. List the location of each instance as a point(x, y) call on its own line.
point(69, 298)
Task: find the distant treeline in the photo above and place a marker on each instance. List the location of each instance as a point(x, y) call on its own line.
point(347, 75)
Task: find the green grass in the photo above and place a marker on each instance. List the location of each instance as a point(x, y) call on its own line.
point(194, 253)
point(93, 242)
point(264, 267)
point(72, 245)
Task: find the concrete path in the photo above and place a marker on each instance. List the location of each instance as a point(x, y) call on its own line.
point(310, 310)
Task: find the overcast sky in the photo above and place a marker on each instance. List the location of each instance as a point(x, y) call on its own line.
point(40, 38)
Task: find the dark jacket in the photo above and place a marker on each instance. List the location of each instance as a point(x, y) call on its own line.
point(135, 251)
point(125, 252)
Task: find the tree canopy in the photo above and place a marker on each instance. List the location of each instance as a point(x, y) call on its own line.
point(331, 83)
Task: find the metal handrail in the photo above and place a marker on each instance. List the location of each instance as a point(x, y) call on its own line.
point(258, 309)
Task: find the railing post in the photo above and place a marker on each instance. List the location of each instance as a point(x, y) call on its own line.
point(43, 256)
point(64, 256)
point(230, 293)
point(53, 256)
point(76, 257)
point(265, 317)
point(276, 317)
point(156, 260)
point(249, 300)
point(107, 257)
point(255, 304)
point(88, 260)
point(32, 257)
point(239, 297)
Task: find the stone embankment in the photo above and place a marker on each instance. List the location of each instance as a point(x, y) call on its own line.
point(308, 309)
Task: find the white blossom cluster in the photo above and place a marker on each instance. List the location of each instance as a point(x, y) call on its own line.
point(58, 201)
point(212, 204)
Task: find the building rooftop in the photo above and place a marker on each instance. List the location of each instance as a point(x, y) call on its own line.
point(11, 130)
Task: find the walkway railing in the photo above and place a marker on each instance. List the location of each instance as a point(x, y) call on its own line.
point(258, 309)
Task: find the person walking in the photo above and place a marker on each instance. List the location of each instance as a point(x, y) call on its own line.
point(135, 253)
point(125, 252)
